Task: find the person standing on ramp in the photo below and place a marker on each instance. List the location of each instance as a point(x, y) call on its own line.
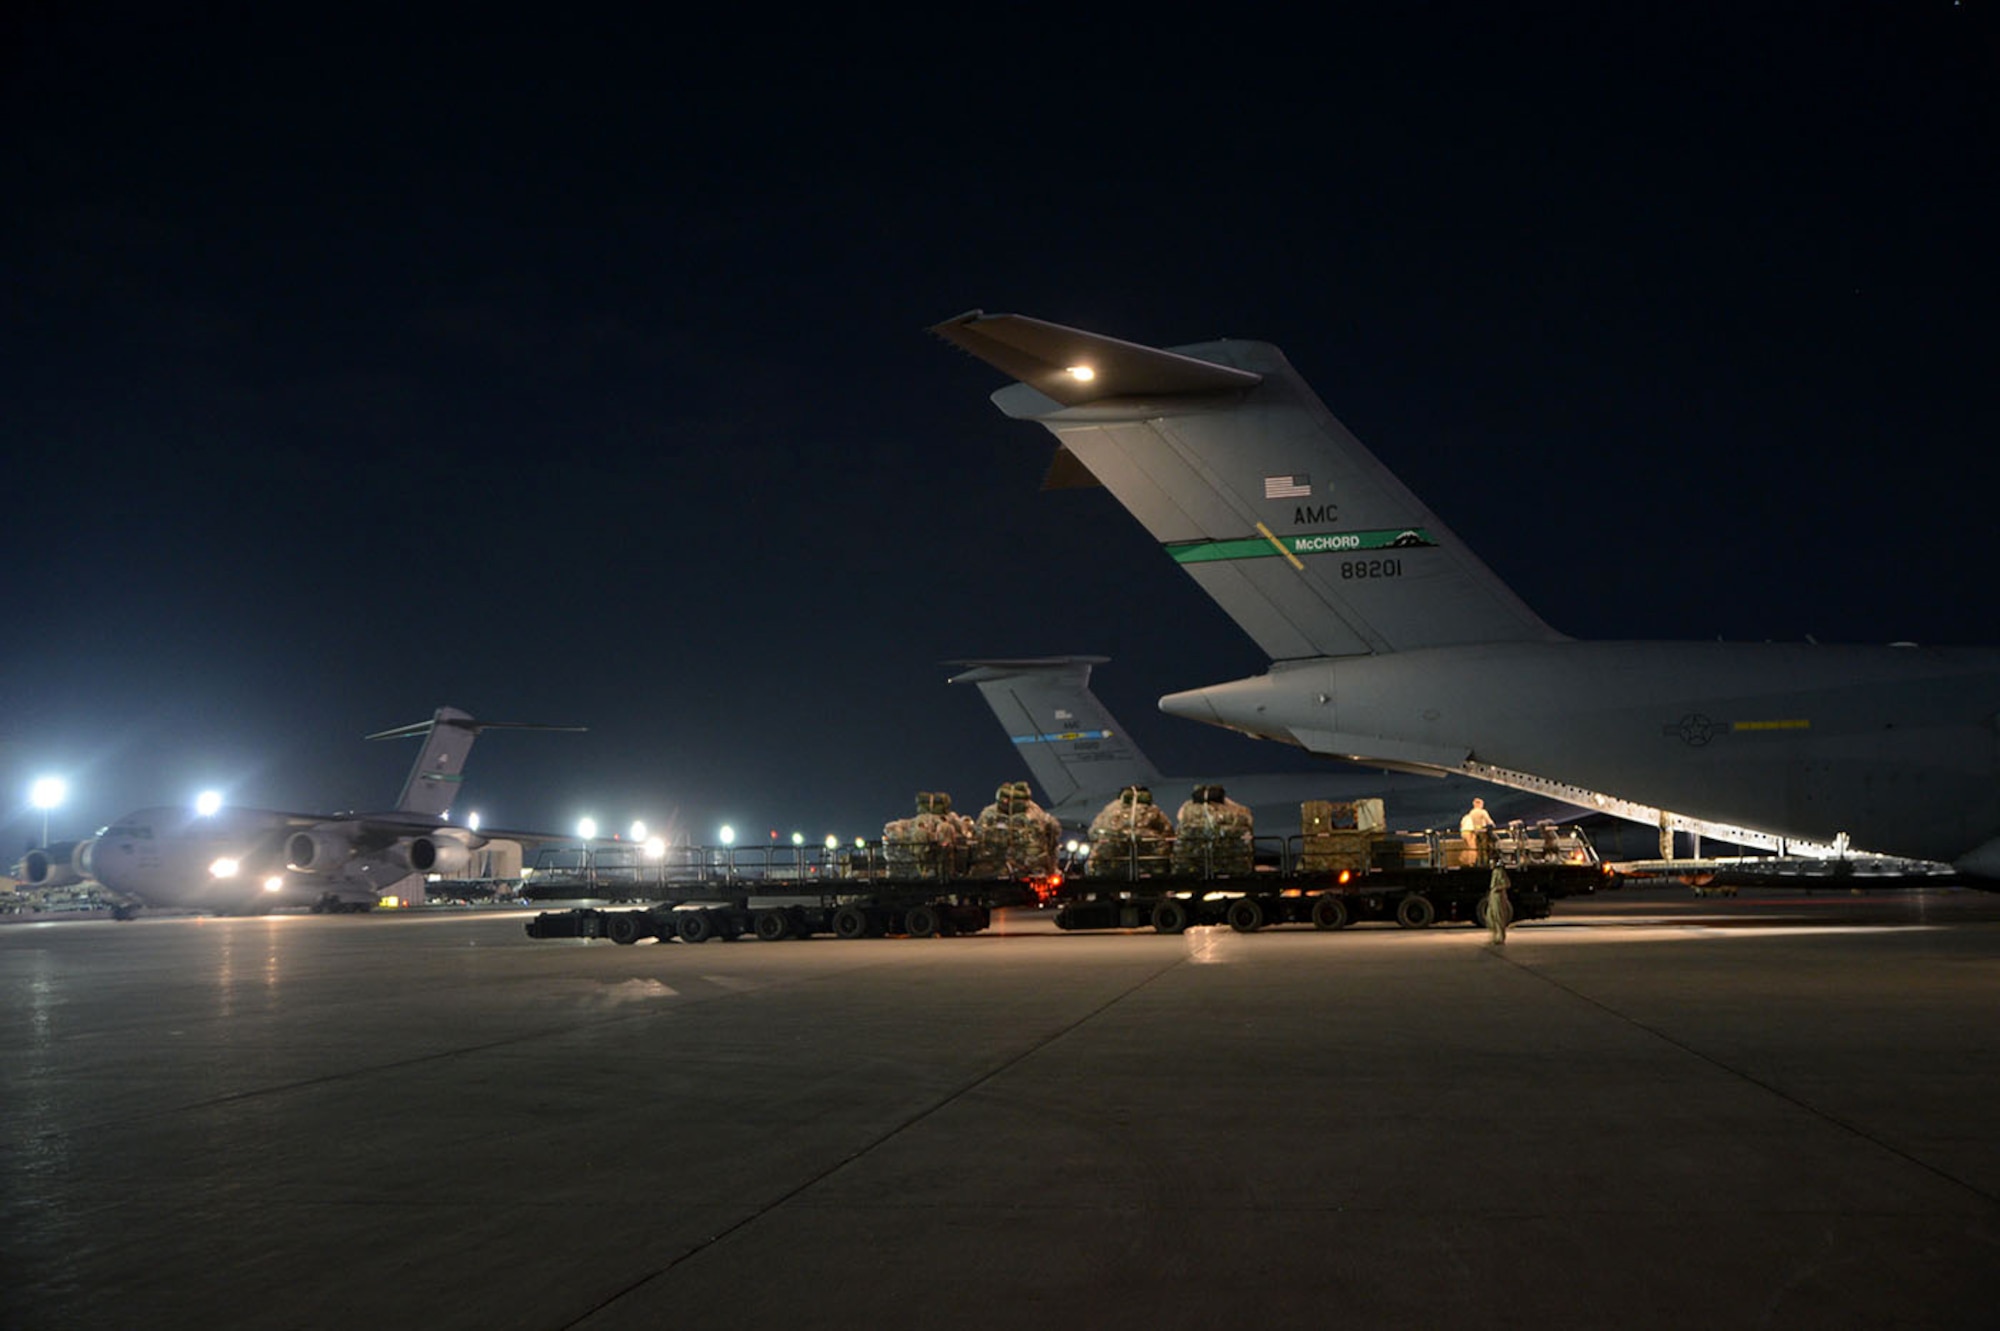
point(1499, 909)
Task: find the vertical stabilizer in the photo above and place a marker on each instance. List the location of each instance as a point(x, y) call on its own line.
point(1226, 456)
point(1071, 744)
point(434, 779)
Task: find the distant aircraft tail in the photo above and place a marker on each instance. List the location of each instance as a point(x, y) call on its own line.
point(1226, 456)
point(435, 776)
point(1070, 742)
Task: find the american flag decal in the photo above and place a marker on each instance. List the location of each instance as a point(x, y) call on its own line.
point(1288, 487)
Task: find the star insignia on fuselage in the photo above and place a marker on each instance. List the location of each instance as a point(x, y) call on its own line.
point(1694, 729)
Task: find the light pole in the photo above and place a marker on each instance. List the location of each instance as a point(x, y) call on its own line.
point(586, 828)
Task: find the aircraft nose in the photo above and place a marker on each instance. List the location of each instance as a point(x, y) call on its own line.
point(1254, 706)
point(1193, 704)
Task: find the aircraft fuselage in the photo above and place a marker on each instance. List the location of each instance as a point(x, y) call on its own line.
point(1897, 747)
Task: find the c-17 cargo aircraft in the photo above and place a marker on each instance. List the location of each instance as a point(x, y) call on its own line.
point(1393, 645)
point(236, 861)
point(1081, 758)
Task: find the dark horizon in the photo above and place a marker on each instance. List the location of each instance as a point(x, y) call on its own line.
point(578, 374)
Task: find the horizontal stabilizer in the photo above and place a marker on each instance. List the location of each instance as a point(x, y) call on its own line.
point(1076, 368)
point(1232, 463)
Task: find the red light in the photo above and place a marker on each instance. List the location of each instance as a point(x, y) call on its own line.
point(1045, 889)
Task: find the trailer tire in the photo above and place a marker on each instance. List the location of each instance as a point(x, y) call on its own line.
point(1329, 912)
point(622, 928)
point(850, 922)
point(1170, 917)
point(920, 922)
point(1246, 915)
point(772, 926)
point(696, 926)
point(1415, 911)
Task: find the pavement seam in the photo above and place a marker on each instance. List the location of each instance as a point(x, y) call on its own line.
point(1833, 1120)
point(950, 1097)
point(689, 1006)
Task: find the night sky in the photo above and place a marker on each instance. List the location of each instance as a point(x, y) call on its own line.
point(573, 369)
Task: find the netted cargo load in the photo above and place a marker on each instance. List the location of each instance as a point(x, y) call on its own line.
point(1340, 835)
point(1217, 836)
point(935, 843)
point(1015, 837)
point(1131, 837)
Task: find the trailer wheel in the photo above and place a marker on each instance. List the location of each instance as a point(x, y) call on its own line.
point(1170, 917)
point(623, 928)
point(1415, 911)
point(850, 922)
point(1246, 915)
point(696, 926)
point(920, 922)
point(772, 926)
point(1479, 913)
point(1329, 912)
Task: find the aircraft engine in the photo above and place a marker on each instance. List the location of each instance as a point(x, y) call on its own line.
point(53, 865)
point(317, 851)
point(431, 855)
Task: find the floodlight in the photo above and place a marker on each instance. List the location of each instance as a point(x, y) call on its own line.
point(45, 794)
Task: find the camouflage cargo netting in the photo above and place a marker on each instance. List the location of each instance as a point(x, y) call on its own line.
point(1131, 837)
point(1218, 836)
point(1014, 836)
point(936, 843)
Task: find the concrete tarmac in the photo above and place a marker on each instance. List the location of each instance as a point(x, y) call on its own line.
point(1650, 1111)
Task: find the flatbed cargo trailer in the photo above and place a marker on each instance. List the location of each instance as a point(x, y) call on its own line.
point(775, 912)
point(1414, 879)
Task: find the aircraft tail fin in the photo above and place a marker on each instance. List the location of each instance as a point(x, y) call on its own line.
point(1233, 464)
point(1071, 744)
point(434, 778)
